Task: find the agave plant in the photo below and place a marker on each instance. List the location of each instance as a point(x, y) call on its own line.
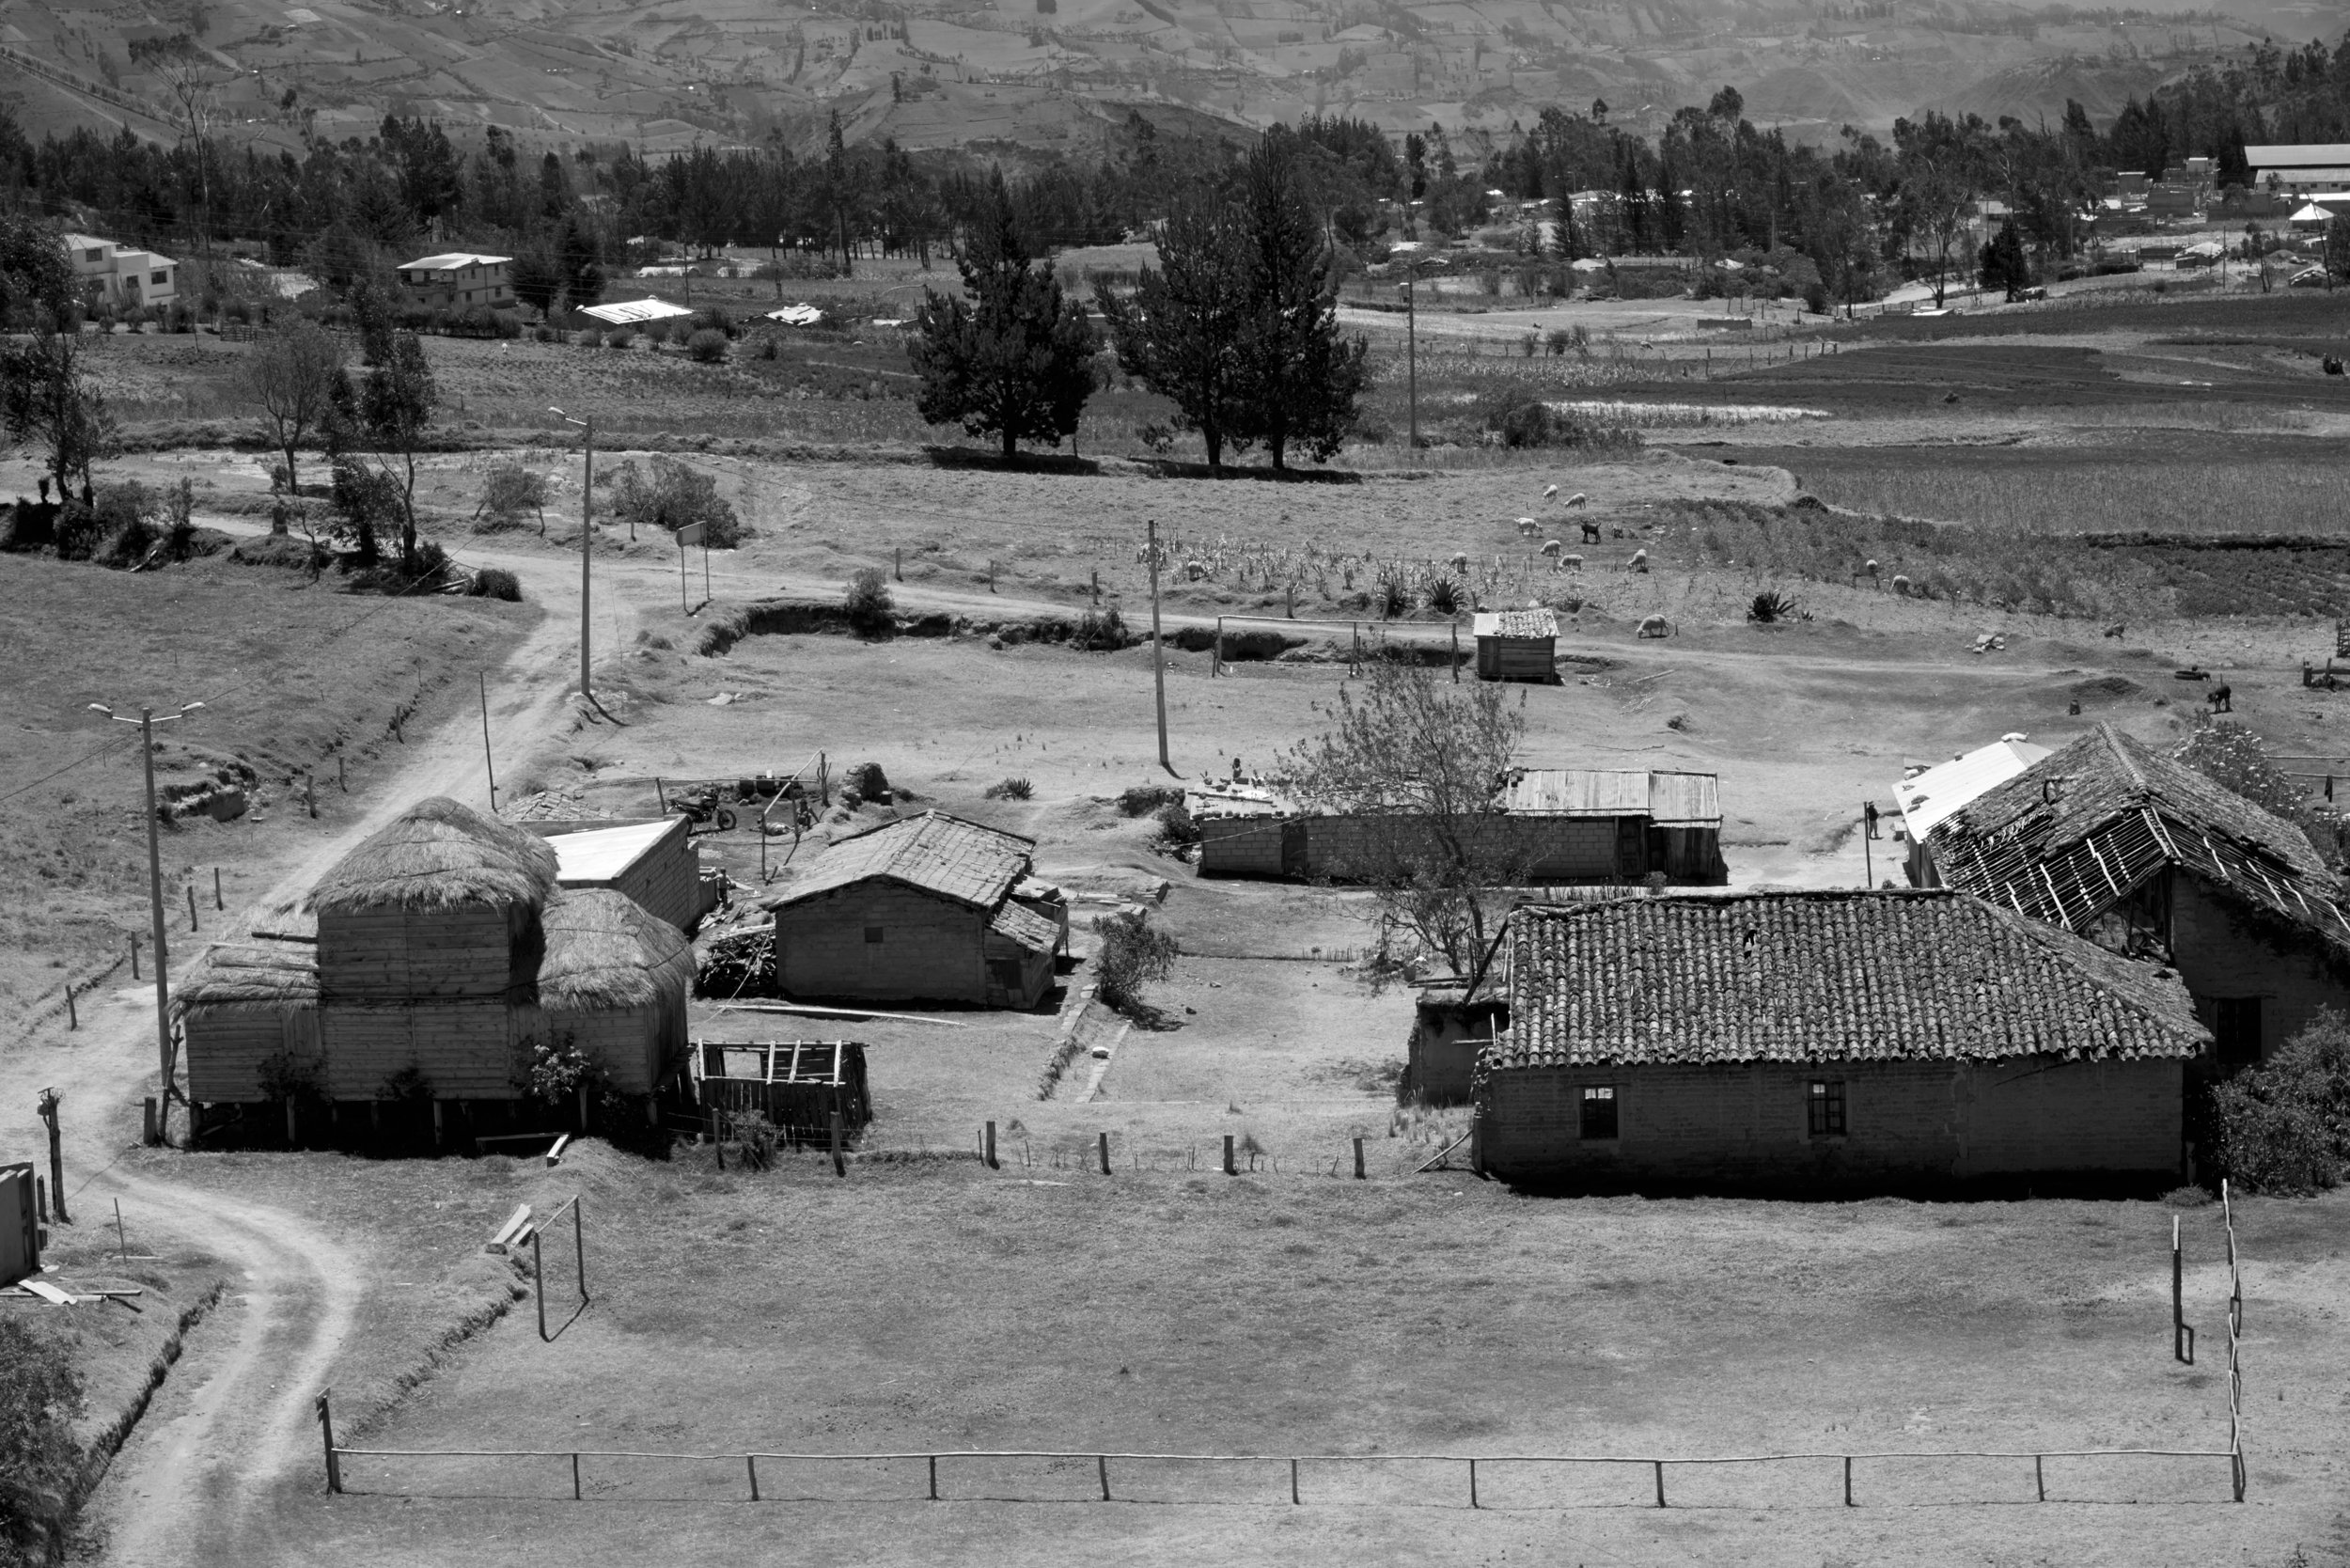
point(1770, 605)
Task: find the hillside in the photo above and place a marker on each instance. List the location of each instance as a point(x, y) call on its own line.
point(1045, 73)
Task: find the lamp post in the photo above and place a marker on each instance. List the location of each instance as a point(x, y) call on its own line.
point(147, 721)
point(586, 511)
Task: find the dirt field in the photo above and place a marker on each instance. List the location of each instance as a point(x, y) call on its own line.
point(1168, 1308)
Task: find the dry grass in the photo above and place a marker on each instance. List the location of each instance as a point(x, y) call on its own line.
point(2087, 492)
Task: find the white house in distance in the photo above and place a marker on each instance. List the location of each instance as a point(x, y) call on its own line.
point(2302, 169)
point(1928, 795)
point(457, 280)
point(124, 275)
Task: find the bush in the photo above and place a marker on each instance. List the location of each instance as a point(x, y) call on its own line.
point(495, 582)
point(40, 1399)
point(677, 497)
point(1770, 605)
point(587, 337)
point(707, 347)
point(513, 490)
point(869, 608)
point(1132, 956)
point(126, 515)
point(713, 319)
point(656, 333)
point(1175, 825)
point(1103, 632)
point(1140, 800)
point(2284, 1127)
point(1010, 788)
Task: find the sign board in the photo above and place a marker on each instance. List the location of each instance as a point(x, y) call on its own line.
point(690, 534)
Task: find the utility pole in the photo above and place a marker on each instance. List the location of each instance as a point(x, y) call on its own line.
point(1158, 656)
point(146, 722)
point(1411, 350)
point(587, 536)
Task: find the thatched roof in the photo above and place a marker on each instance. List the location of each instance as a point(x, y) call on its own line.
point(250, 977)
point(604, 953)
point(438, 855)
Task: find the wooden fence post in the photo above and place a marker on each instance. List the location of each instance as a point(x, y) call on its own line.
point(216, 899)
point(1228, 1155)
point(750, 1463)
point(326, 1434)
point(1103, 1462)
point(2040, 1476)
point(191, 889)
point(1293, 1497)
point(134, 957)
point(1848, 1502)
point(1358, 1159)
point(840, 1161)
point(1472, 1463)
point(575, 1496)
point(1105, 1152)
point(72, 1018)
point(991, 1148)
point(1660, 1482)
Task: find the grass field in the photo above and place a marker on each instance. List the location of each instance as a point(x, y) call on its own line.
point(291, 673)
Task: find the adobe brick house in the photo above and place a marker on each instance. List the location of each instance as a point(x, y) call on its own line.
point(927, 908)
point(1451, 1024)
point(1827, 1040)
point(1574, 825)
point(2142, 855)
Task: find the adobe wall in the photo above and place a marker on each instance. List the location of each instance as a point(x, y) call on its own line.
point(1909, 1122)
point(930, 949)
point(2218, 956)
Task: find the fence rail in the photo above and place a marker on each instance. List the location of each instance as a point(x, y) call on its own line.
point(1656, 1466)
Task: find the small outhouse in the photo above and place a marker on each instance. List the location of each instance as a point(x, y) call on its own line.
point(1517, 645)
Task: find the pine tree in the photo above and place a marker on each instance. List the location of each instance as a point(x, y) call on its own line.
point(1014, 358)
point(1180, 329)
point(2004, 264)
point(1299, 379)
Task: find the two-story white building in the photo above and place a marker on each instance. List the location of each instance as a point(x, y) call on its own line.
point(457, 280)
point(125, 275)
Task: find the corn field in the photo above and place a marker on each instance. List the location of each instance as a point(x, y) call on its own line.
point(1390, 585)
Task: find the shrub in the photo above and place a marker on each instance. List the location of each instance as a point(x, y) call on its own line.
point(1140, 800)
point(619, 336)
point(40, 1400)
point(495, 582)
point(678, 495)
point(77, 532)
point(2284, 1127)
point(513, 490)
point(713, 319)
point(1445, 595)
point(587, 337)
point(542, 334)
point(1101, 632)
point(1770, 605)
point(1010, 788)
point(656, 333)
point(1132, 956)
point(126, 521)
point(868, 603)
point(1175, 825)
point(707, 347)
point(1394, 594)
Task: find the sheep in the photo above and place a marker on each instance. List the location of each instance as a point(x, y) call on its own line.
point(1574, 500)
point(1570, 563)
point(1638, 561)
point(1459, 561)
point(1195, 570)
point(1553, 549)
point(2115, 630)
point(1654, 626)
point(1551, 490)
point(1901, 585)
point(1527, 527)
point(1590, 533)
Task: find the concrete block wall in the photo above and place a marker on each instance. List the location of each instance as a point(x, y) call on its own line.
point(1906, 1122)
point(2220, 955)
point(932, 949)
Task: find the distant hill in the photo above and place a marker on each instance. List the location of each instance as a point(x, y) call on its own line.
point(1051, 74)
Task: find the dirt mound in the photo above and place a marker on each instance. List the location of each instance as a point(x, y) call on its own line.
point(2104, 688)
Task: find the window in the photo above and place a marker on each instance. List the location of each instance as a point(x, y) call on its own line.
point(159, 278)
point(872, 935)
point(1825, 1105)
point(1599, 1110)
point(2235, 1027)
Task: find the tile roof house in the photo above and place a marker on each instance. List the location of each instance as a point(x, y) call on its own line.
point(1827, 1038)
point(928, 908)
point(2145, 856)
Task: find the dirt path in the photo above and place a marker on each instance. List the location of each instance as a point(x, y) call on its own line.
point(235, 1418)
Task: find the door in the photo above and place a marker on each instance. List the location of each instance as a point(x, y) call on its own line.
point(1631, 849)
point(1294, 849)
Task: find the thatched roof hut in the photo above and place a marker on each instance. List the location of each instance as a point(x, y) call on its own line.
point(439, 855)
point(604, 951)
point(242, 1004)
point(613, 981)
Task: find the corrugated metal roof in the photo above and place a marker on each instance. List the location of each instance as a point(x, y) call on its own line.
point(601, 853)
point(1212, 802)
point(1666, 799)
point(629, 312)
point(451, 260)
point(1824, 977)
point(939, 854)
point(1929, 796)
point(1515, 623)
point(2293, 155)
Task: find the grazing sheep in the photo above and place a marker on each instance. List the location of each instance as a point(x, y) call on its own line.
point(1901, 585)
point(1871, 568)
point(1527, 527)
point(1638, 561)
point(1570, 563)
point(2114, 630)
point(1551, 490)
point(1459, 561)
point(1654, 626)
point(1590, 533)
point(1193, 571)
point(1574, 500)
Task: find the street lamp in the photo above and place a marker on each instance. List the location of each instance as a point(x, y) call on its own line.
point(586, 509)
point(147, 721)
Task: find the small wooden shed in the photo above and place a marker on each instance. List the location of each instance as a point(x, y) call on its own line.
point(614, 983)
point(795, 1084)
point(654, 862)
point(248, 1016)
point(1517, 645)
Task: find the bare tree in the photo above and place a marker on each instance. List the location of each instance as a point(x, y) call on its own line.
point(292, 375)
point(1418, 767)
point(46, 396)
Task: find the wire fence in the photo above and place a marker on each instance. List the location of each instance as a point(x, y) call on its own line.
point(1502, 1480)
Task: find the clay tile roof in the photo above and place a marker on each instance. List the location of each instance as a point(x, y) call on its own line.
point(1027, 927)
point(1515, 624)
point(2078, 831)
point(1823, 977)
point(936, 852)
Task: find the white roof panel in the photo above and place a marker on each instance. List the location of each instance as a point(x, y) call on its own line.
point(451, 261)
point(628, 312)
point(1930, 796)
point(601, 853)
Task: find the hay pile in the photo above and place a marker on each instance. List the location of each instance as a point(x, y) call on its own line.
point(439, 855)
point(604, 953)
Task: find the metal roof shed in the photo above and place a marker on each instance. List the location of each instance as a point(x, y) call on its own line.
point(1516, 645)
